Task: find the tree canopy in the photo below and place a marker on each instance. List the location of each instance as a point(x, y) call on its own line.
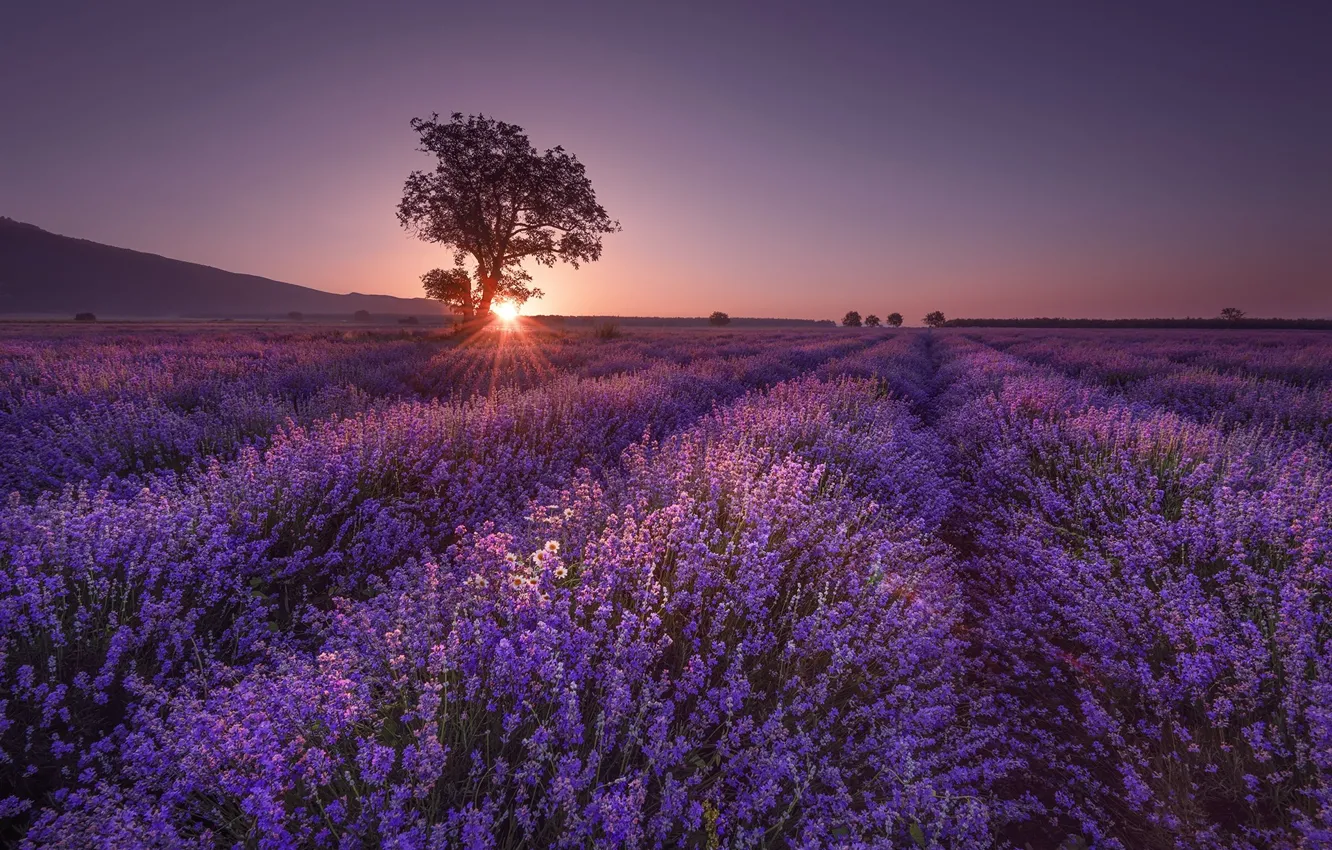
point(719, 318)
point(934, 320)
point(851, 319)
point(894, 319)
point(871, 321)
point(495, 201)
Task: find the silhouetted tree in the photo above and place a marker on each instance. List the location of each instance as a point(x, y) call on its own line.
point(493, 198)
point(851, 319)
point(719, 318)
point(894, 319)
point(361, 315)
point(872, 321)
point(85, 317)
point(409, 320)
point(1232, 314)
point(934, 320)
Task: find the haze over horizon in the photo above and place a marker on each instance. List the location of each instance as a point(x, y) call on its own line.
point(765, 159)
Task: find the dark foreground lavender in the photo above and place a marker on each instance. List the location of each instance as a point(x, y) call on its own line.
point(818, 589)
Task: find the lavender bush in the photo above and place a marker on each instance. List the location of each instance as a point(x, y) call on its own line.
point(733, 589)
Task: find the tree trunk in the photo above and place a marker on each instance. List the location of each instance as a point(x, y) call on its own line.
point(488, 287)
point(466, 304)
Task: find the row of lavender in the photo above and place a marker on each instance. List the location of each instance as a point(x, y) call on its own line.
point(91, 406)
point(106, 591)
point(1273, 380)
point(928, 594)
point(1151, 598)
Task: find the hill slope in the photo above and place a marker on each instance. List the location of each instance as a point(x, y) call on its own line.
point(45, 273)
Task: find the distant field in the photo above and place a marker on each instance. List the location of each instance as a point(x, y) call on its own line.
point(300, 586)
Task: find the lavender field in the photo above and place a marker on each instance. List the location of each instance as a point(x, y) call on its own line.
point(280, 588)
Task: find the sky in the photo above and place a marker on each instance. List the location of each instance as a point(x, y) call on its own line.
point(764, 159)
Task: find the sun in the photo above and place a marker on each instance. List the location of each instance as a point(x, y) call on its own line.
point(507, 312)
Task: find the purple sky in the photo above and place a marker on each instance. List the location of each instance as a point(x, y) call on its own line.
point(775, 159)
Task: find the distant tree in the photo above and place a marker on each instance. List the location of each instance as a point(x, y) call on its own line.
point(719, 318)
point(934, 320)
point(493, 198)
point(295, 316)
point(606, 330)
point(894, 319)
point(85, 317)
point(1232, 314)
point(851, 319)
point(409, 320)
point(872, 321)
point(361, 315)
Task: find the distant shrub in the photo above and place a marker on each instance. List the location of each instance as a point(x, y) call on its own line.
point(1059, 322)
point(296, 316)
point(872, 321)
point(361, 315)
point(894, 319)
point(409, 320)
point(606, 330)
point(719, 318)
point(935, 319)
point(851, 319)
point(85, 317)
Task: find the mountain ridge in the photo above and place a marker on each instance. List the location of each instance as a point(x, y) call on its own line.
point(45, 273)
